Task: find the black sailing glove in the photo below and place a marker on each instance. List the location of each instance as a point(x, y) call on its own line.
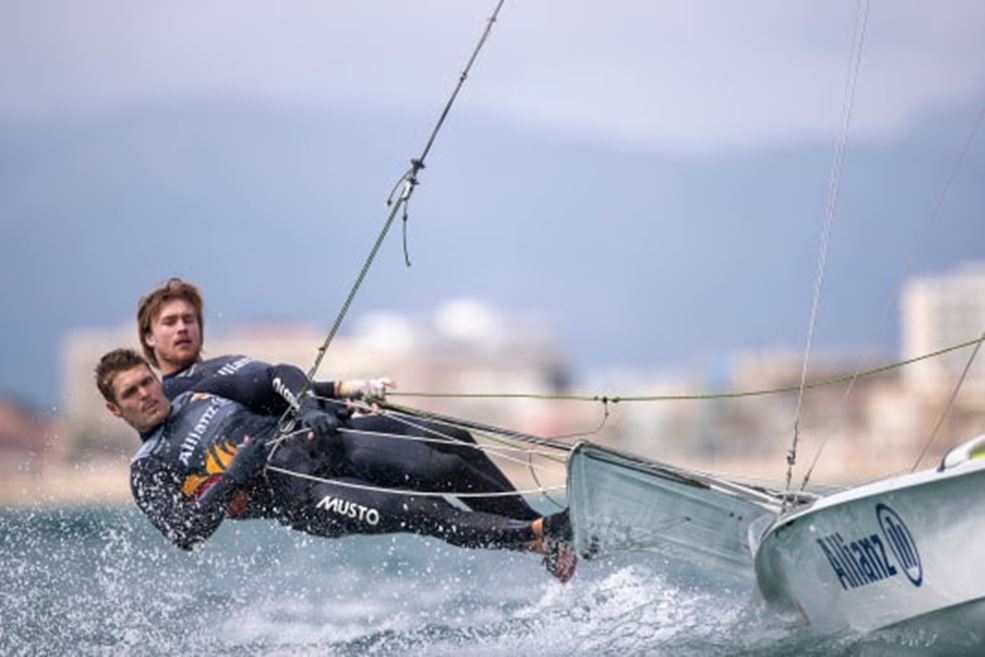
point(248, 462)
point(325, 425)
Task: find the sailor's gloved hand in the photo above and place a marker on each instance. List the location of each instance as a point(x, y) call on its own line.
point(365, 388)
point(248, 462)
point(321, 422)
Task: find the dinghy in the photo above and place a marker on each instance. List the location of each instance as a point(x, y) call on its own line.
point(900, 550)
point(885, 553)
point(620, 502)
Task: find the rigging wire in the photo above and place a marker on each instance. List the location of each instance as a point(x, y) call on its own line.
point(406, 491)
point(531, 452)
point(447, 438)
point(545, 491)
point(911, 256)
point(590, 432)
point(817, 455)
point(616, 399)
point(492, 450)
point(950, 403)
point(442, 438)
point(485, 428)
point(489, 432)
point(501, 436)
point(855, 59)
point(408, 182)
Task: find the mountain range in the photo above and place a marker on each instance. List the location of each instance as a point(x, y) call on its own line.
point(638, 259)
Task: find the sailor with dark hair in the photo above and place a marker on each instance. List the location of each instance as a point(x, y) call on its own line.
point(209, 455)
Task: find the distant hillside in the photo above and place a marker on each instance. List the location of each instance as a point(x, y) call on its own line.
point(640, 259)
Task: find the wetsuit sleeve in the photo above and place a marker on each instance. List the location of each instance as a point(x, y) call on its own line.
point(325, 389)
point(184, 521)
point(264, 389)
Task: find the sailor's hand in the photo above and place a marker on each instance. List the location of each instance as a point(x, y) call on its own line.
point(248, 462)
point(319, 421)
point(366, 389)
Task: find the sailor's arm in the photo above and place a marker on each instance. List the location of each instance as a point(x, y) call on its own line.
point(187, 518)
point(271, 390)
point(265, 389)
point(181, 519)
point(252, 384)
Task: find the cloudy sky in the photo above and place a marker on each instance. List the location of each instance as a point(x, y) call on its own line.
point(689, 88)
point(685, 75)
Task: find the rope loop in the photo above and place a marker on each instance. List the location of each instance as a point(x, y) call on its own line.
point(406, 184)
point(409, 181)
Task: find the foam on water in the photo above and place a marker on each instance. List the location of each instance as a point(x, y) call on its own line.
point(103, 582)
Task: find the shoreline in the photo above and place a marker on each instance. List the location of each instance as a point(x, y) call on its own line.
point(97, 483)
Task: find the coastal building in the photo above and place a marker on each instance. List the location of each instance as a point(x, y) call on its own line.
point(940, 311)
point(463, 347)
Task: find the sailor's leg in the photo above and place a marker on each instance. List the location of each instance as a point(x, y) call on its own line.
point(394, 457)
point(461, 443)
point(346, 506)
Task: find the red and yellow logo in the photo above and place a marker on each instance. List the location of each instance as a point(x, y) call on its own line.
point(218, 457)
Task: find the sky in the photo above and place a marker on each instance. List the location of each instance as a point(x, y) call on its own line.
point(597, 153)
point(648, 74)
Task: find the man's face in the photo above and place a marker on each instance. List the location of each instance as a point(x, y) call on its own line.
point(175, 336)
point(139, 398)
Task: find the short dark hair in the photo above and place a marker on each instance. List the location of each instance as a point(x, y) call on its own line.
point(150, 306)
point(111, 364)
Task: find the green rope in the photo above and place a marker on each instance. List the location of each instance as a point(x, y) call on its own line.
point(405, 185)
point(615, 399)
point(407, 182)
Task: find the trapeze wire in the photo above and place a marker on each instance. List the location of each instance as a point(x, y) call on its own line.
point(411, 493)
point(492, 450)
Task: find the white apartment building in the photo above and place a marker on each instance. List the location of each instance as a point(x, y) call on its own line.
point(938, 312)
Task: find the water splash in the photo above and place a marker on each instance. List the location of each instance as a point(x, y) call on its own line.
point(103, 582)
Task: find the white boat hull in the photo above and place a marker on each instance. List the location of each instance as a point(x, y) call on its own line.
point(620, 502)
point(882, 554)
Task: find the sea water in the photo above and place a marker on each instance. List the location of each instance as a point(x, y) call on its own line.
point(104, 582)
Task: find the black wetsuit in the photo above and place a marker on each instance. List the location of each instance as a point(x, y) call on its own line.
point(185, 457)
point(384, 452)
point(192, 376)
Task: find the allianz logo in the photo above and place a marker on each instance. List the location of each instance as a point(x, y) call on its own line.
point(864, 560)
